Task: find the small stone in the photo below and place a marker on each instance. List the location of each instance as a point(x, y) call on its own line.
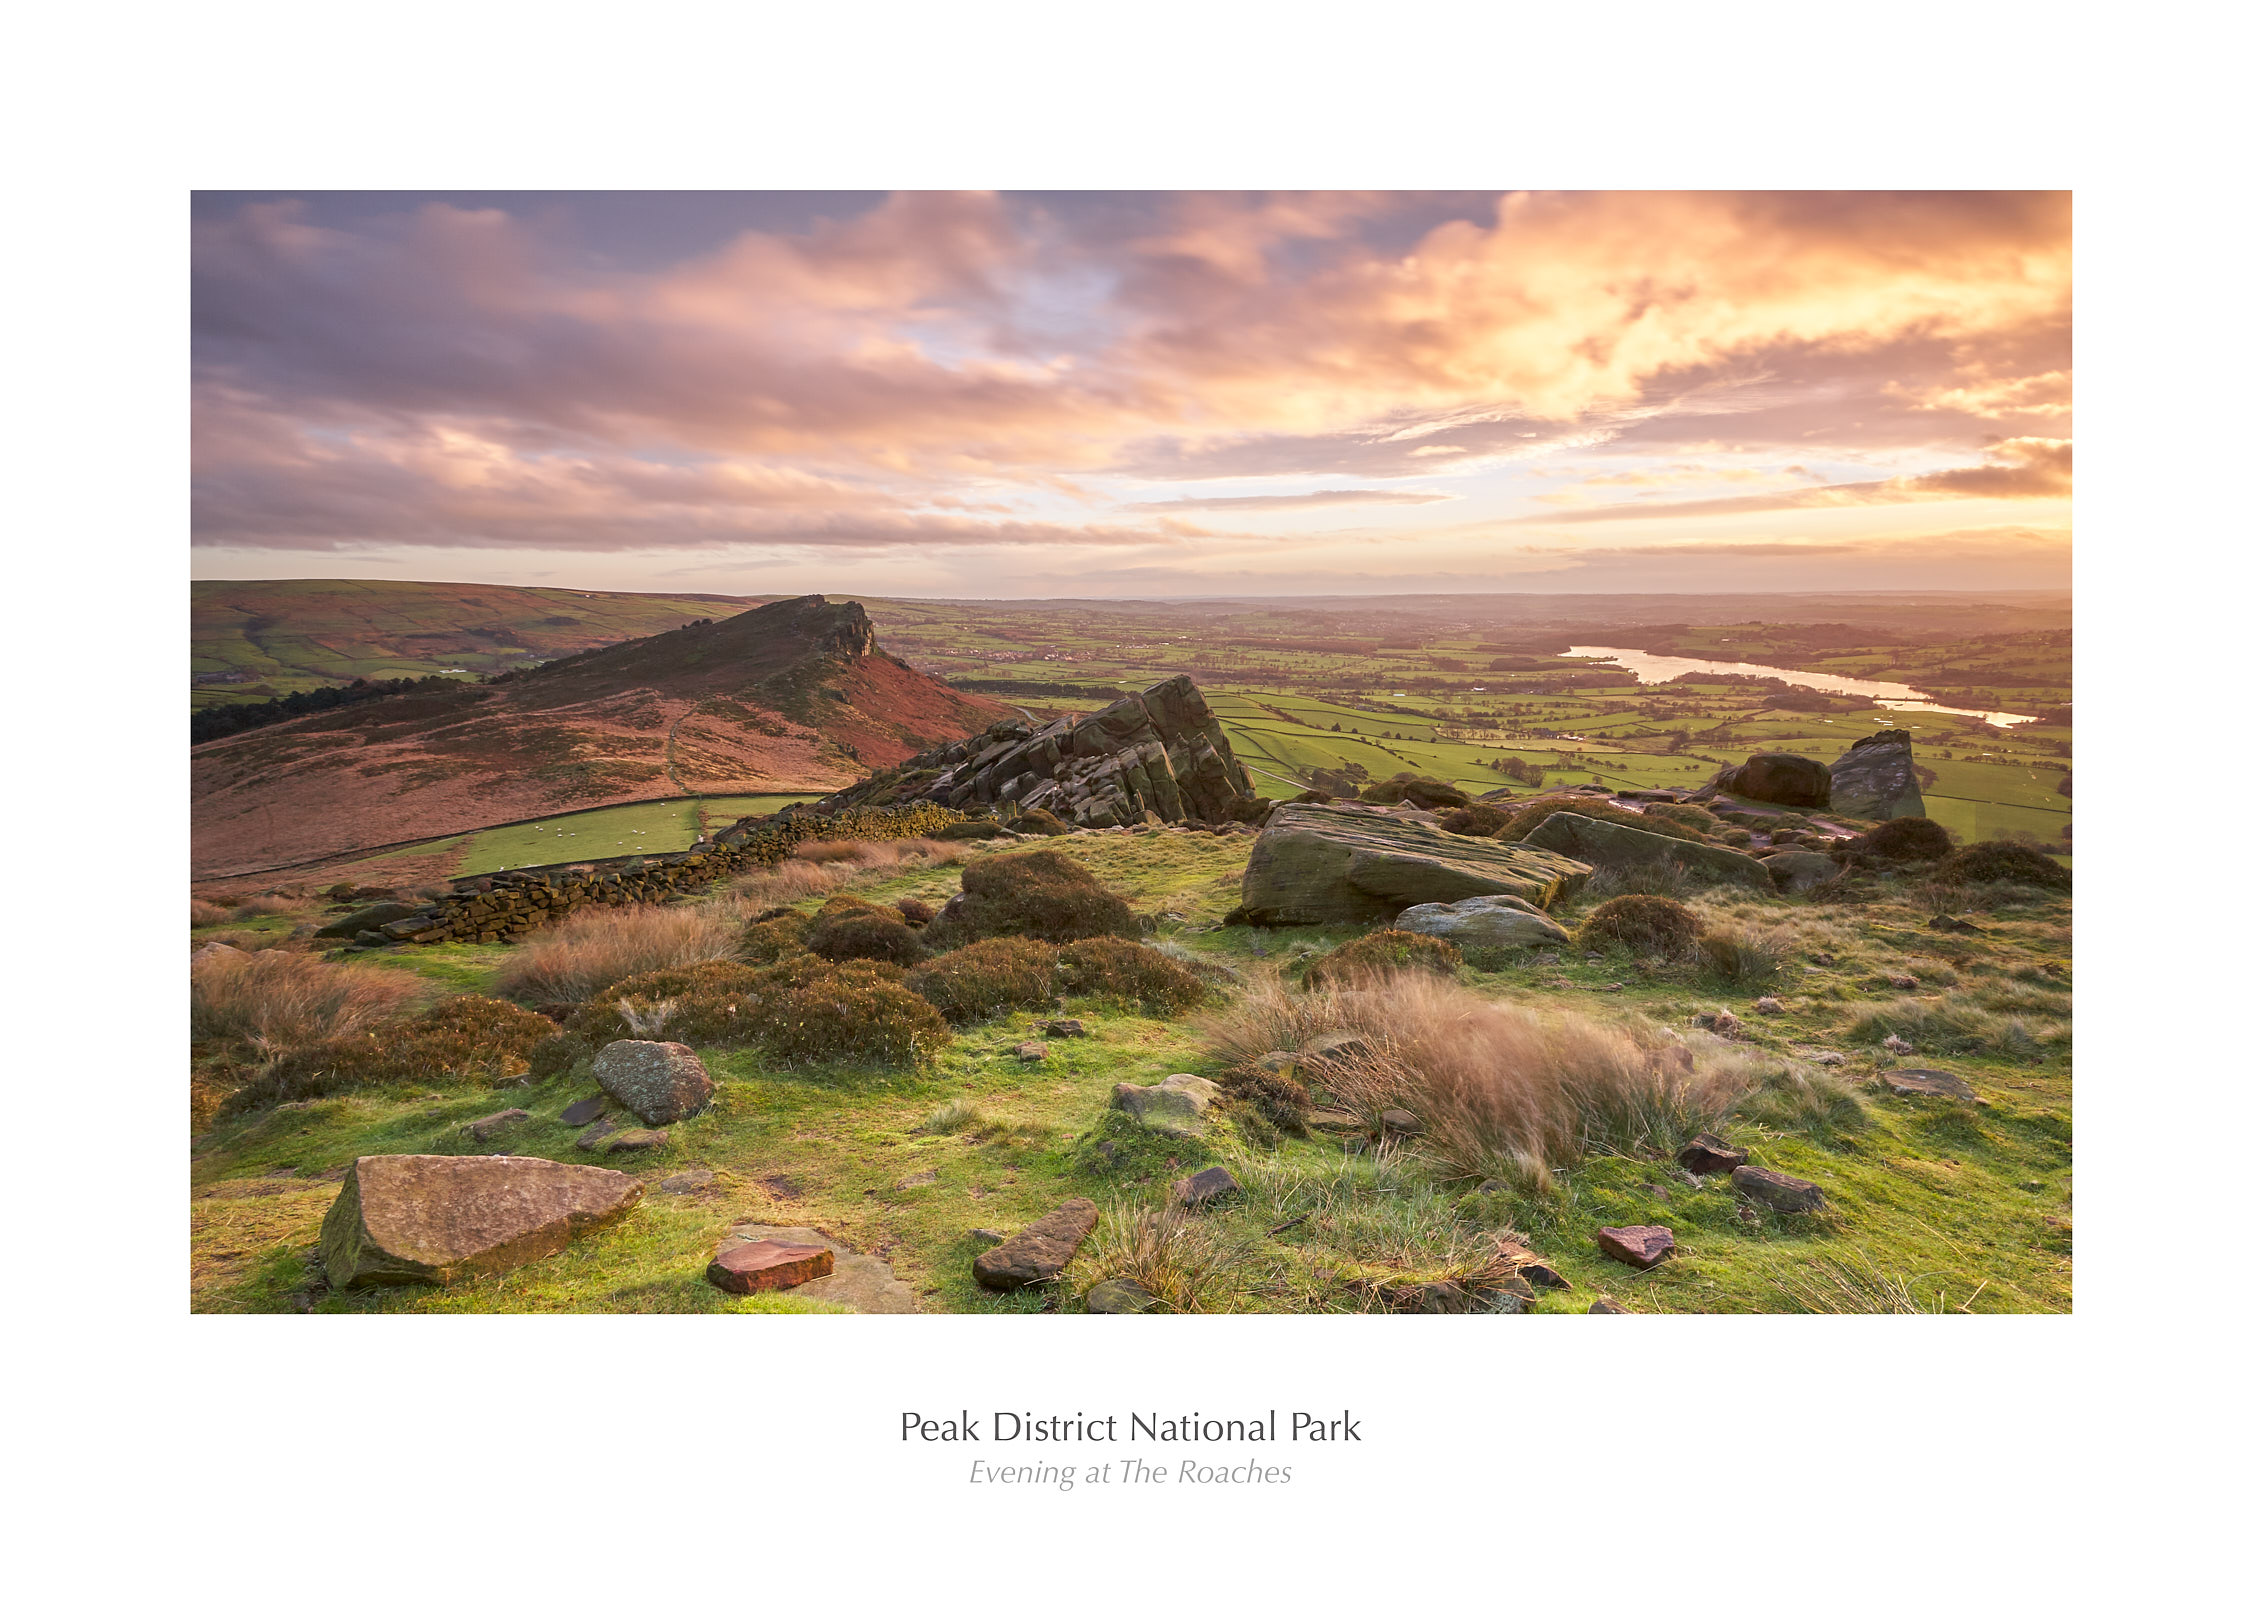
point(1608, 1307)
point(496, 1126)
point(1117, 1297)
point(1706, 1154)
point(1902, 980)
point(1513, 1298)
point(583, 1112)
point(689, 1181)
point(1947, 924)
point(1657, 1189)
point(1900, 1046)
point(767, 1264)
point(1542, 1276)
point(1644, 1245)
point(1032, 1050)
point(1176, 1105)
point(1336, 1046)
point(1776, 1191)
point(918, 1180)
point(1443, 1299)
point(1064, 1028)
point(1928, 1081)
point(1040, 1251)
point(597, 1133)
point(1282, 1062)
point(524, 1080)
point(1211, 1183)
point(1723, 1022)
point(985, 1237)
point(434, 1219)
point(1403, 1123)
point(636, 1140)
point(1768, 1006)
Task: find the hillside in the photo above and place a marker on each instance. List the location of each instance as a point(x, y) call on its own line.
point(253, 641)
point(795, 695)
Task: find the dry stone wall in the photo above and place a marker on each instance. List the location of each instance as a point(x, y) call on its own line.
point(509, 905)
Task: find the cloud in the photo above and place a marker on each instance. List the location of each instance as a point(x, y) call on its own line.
point(1314, 500)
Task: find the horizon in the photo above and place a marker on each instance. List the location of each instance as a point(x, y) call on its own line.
point(1137, 395)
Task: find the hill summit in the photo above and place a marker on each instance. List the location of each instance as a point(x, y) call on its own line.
point(795, 695)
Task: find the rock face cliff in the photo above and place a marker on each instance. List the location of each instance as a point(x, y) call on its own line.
point(1162, 751)
point(1877, 780)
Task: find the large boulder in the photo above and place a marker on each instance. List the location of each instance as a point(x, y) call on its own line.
point(1353, 863)
point(1779, 778)
point(434, 1219)
point(1041, 1251)
point(1607, 844)
point(658, 1079)
point(1797, 871)
point(1876, 779)
point(1486, 921)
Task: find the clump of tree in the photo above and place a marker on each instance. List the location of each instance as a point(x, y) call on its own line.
point(218, 722)
point(1518, 770)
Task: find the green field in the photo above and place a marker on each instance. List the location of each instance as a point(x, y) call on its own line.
point(650, 825)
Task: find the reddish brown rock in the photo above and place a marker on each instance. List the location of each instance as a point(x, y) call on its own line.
point(1644, 1245)
point(1040, 1251)
point(1211, 1183)
point(1706, 1155)
point(583, 1112)
point(434, 1219)
point(1776, 1191)
point(767, 1264)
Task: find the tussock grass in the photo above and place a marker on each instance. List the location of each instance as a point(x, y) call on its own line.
point(1846, 1282)
point(949, 1117)
point(569, 962)
point(1181, 1257)
point(1739, 953)
point(276, 1001)
point(205, 914)
point(271, 905)
point(1805, 1100)
point(1499, 1087)
point(1956, 1027)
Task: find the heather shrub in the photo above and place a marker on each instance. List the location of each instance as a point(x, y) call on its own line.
point(467, 1036)
point(1739, 837)
point(1744, 955)
point(1374, 956)
point(772, 935)
point(1428, 793)
point(865, 935)
point(842, 1014)
point(1477, 819)
point(2001, 861)
point(568, 962)
point(1688, 816)
point(1903, 839)
point(277, 1001)
point(917, 913)
point(1266, 1101)
point(704, 1003)
point(987, 977)
point(1041, 894)
point(1530, 816)
point(1647, 924)
point(1038, 822)
point(1123, 970)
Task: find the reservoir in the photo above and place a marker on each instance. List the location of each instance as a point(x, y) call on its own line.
point(1648, 668)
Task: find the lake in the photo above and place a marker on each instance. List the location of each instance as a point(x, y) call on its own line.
point(1648, 668)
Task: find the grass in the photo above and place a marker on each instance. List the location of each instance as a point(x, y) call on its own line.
point(1939, 1207)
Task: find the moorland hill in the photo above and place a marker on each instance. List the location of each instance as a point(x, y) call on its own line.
point(795, 695)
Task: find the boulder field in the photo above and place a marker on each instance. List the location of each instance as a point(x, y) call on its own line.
point(1353, 863)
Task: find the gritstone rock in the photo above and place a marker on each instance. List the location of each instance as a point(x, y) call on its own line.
point(1173, 1106)
point(1876, 779)
point(1708, 1155)
point(743, 1268)
point(1119, 1297)
point(1775, 1190)
point(1776, 777)
point(1492, 921)
point(1928, 1081)
point(658, 1079)
point(1607, 844)
point(1351, 863)
point(434, 1219)
point(1211, 1183)
point(1797, 871)
point(1644, 1245)
point(1040, 1251)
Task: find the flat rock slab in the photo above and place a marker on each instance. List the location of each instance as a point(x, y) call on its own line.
point(583, 1112)
point(1354, 863)
point(658, 1079)
point(496, 1126)
point(1040, 1251)
point(1706, 1155)
point(1211, 1183)
point(1607, 844)
point(1486, 922)
point(636, 1140)
point(1173, 1106)
point(859, 1282)
point(1776, 1190)
point(743, 1268)
point(1928, 1080)
point(1644, 1245)
point(435, 1219)
point(1119, 1297)
point(1608, 1307)
point(1797, 871)
point(689, 1181)
point(1064, 1028)
point(595, 1134)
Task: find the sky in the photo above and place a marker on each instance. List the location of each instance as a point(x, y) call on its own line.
point(1126, 394)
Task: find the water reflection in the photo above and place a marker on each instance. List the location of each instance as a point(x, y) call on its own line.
point(1648, 668)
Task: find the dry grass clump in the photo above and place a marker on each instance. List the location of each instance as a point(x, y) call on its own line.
point(1846, 1282)
point(1956, 1027)
point(1688, 816)
point(1647, 924)
point(1373, 957)
point(1177, 1255)
point(863, 852)
point(568, 962)
point(1122, 970)
point(1041, 894)
point(783, 884)
point(206, 914)
point(277, 1001)
point(989, 976)
point(2001, 861)
point(949, 1117)
point(271, 905)
point(1740, 954)
point(464, 1036)
point(1498, 1087)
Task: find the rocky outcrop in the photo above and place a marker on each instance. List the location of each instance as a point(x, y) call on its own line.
point(1162, 751)
point(1778, 778)
point(1353, 863)
point(658, 1079)
point(1041, 1251)
point(1607, 844)
point(1490, 921)
point(435, 1219)
point(1876, 780)
point(1175, 1105)
point(1797, 871)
